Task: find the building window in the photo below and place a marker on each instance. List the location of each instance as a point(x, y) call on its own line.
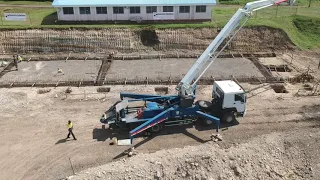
point(167, 8)
point(67, 10)
point(201, 9)
point(151, 9)
point(184, 9)
point(118, 10)
point(135, 10)
point(101, 10)
point(84, 10)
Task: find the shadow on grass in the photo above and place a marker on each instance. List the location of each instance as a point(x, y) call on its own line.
point(51, 19)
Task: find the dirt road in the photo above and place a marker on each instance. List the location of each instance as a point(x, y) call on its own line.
point(33, 127)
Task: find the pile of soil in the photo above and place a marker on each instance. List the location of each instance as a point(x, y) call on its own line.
point(291, 155)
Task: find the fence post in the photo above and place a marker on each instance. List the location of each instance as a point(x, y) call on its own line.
point(277, 10)
point(28, 14)
point(296, 11)
point(1, 14)
point(85, 95)
point(309, 3)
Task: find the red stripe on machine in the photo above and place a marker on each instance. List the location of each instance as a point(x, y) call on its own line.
point(147, 127)
point(278, 2)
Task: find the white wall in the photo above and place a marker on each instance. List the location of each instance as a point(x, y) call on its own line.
point(126, 16)
point(206, 15)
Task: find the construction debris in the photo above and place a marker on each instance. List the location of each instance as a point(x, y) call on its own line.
point(68, 90)
point(216, 137)
point(304, 77)
point(43, 90)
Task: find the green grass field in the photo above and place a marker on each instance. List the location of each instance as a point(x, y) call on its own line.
point(35, 16)
point(290, 19)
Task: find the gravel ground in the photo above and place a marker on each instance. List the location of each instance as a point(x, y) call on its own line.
point(176, 68)
point(47, 71)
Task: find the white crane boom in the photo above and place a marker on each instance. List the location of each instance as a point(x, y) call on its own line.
point(185, 87)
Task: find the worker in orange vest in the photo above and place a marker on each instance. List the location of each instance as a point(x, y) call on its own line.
point(70, 128)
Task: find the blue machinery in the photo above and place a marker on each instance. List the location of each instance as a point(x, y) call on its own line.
point(180, 109)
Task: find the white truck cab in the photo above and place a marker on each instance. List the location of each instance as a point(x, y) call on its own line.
point(228, 101)
point(232, 95)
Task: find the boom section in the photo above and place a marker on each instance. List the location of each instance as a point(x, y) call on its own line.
point(185, 87)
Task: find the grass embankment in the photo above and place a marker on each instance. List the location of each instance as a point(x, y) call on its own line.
point(13, 2)
point(288, 19)
point(295, 21)
point(308, 31)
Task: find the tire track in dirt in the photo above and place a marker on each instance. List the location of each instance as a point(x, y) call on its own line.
point(55, 161)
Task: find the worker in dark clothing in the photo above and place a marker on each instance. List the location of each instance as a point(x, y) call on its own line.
point(70, 128)
point(15, 61)
point(111, 55)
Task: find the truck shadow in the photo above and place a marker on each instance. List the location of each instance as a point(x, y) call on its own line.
point(103, 134)
point(199, 127)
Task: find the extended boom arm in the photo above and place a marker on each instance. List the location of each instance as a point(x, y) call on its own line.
point(185, 87)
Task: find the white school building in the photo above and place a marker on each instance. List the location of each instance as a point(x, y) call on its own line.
point(133, 10)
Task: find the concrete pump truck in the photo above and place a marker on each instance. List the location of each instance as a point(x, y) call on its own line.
point(228, 97)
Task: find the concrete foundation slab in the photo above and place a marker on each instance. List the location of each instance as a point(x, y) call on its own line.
point(177, 68)
point(47, 71)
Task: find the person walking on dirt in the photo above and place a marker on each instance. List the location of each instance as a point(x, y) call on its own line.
point(70, 128)
point(60, 71)
point(111, 55)
point(20, 58)
point(15, 61)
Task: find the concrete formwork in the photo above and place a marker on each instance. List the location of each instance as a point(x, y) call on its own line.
point(148, 71)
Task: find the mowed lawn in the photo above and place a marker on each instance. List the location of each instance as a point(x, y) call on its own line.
point(276, 16)
point(35, 16)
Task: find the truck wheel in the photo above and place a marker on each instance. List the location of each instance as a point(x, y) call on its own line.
point(203, 121)
point(207, 122)
point(156, 128)
point(228, 117)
